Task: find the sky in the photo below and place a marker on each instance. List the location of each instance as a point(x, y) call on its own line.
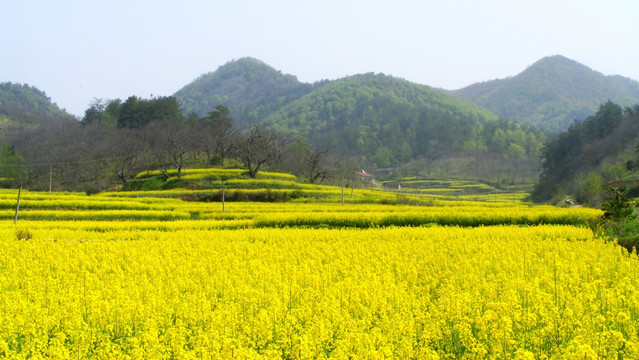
point(80, 50)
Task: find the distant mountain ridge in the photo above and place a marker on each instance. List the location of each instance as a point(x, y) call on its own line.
point(250, 88)
point(24, 105)
point(26, 98)
point(551, 93)
point(385, 120)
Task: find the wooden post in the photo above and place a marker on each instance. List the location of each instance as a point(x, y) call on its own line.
point(352, 186)
point(50, 177)
point(15, 219)
point(223, 205)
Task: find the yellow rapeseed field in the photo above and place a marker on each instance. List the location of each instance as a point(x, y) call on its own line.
point(80, 289)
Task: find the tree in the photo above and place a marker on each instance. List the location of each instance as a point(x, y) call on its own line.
point(169, 142)
point(127, 153)
point(618, 206)
point(606, 119)
point(222, 127)
point(588, 188)
point(93, 114)
point(255, 148)
point(345, 172)
point(11, 165)
point(214, 134)
point(137, 113)
point(317, 167)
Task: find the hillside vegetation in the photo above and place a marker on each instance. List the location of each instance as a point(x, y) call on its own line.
point(22, 106)
point(386, 119)
point(590, 154)
point(381, 120)
point(249, 88)
point(551, 93)
point(259, 118)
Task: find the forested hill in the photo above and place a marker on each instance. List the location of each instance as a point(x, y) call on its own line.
point(387, 119)
point(552, 93)
point(26, 105)
point(249, 88)
point(600, 150)
point(383, 120)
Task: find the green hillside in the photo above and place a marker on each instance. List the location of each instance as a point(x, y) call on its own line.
point(386, 119)
point(591, 155)
point(552, 93)
point(248, 87)
point(26, 104)
point(381, 120)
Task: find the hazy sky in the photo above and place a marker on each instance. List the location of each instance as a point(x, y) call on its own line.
point(79, 50)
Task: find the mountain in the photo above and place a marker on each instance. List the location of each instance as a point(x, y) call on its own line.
point(598, 151)
point(551, 93)
point(23, 102)
point(248, 87)
point(387, 119)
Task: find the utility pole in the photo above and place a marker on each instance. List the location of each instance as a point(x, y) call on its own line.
point(223, 207)
point(15, 219)
point(50, 177)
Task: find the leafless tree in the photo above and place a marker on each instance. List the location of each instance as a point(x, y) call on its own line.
point(127, 155)
point(255, 148)
point(169, 143)
point(318, 168)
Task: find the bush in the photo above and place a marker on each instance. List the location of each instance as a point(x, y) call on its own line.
point(23, 234)
point(589, 189)
point(215, 160)
point(618, 206)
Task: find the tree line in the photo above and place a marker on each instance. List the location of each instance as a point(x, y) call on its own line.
point(589, 154)
point(391, 122)
point(117, 139)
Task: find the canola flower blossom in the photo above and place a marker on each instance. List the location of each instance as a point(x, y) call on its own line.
point(39, 206)
point(491, 292)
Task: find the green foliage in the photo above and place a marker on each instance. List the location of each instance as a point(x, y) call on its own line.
point(249, 88)
point(24, 107)
point(382, 120)
point(618, 206)
point(391, 121)
point(25, 99)
point(103, 112)
point(614, 172)
point(551, 93)
point(133, 113)
point(584, 147)
point(620, 218)
point(11, 165)
point(589, 189)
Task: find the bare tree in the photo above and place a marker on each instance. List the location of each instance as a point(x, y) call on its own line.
point(255, 148)
point(345, 171)
point(127, 153)
point(318, 168)
point(169, 143)
point(281, 147)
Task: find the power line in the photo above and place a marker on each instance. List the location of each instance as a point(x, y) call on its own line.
point(51, 164)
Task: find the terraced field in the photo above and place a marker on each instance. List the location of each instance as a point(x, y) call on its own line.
point(146, 274)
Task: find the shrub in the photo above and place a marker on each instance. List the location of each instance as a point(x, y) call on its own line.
point(618, 206)
point(589, 189)
point(23, 234)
